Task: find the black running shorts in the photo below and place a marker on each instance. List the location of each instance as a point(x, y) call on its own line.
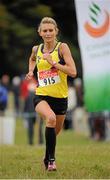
point(58, 105)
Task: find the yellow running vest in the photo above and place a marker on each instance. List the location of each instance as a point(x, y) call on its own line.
point(51, 81)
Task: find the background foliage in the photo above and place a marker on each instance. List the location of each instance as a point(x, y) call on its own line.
point(18, 31)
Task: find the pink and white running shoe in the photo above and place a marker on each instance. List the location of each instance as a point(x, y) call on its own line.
point(52, 166)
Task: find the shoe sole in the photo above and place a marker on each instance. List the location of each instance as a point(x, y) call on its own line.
point(51, 170)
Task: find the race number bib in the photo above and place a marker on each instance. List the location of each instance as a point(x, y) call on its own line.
point(48, 77)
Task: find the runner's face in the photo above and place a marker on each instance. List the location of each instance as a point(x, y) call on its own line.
point(48, 32)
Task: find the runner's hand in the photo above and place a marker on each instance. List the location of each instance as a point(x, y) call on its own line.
point(48, 57)
point(29, 75)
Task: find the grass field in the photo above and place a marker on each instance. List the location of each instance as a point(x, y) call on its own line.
point(78, 157)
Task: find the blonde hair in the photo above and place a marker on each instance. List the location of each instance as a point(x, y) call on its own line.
point(48, 20)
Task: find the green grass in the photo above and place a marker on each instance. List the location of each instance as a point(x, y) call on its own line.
point(78, 157)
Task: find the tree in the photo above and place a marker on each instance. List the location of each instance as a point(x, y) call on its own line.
point(18, 22)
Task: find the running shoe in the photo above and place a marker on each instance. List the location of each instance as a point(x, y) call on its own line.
point(52, 166)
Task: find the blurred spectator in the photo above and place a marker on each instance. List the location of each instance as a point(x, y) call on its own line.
point(97, 125)
point(80, 115)
point(79, 92)
point(4, 90)
point(3, 99)
point(91, 117)
point(31, 116)
point(5, 81)
point(68, 123)
point(23, 92)
point(107, 121)
point(29, 112)
point(16, 92)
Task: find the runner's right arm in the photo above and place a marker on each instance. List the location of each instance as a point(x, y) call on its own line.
point(32, 63)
